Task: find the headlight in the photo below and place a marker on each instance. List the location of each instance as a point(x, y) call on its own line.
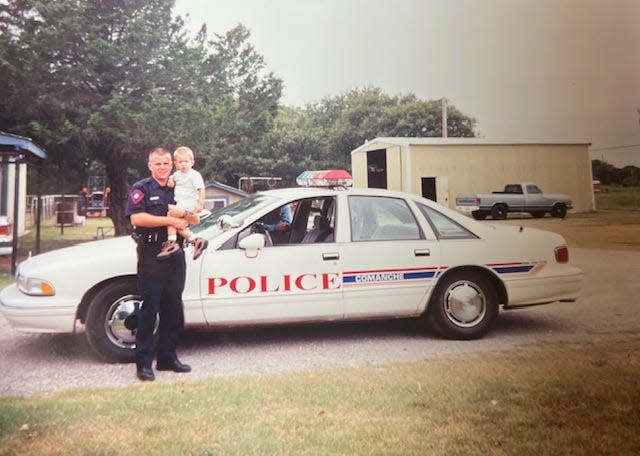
point(34, 287)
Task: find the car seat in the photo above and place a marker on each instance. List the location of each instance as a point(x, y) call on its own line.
point(319, 232)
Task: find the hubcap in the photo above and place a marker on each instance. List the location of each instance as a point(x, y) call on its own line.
point(119, 310)
point(465, 304)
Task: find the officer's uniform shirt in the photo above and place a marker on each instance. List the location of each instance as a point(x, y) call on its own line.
point(147, 195)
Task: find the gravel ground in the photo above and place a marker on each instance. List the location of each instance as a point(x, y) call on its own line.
point(33, 364)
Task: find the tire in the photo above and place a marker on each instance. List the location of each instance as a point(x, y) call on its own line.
point(559, 210)
point(106, 332)
point(537, 214)
point(464, 306)
point(479, 215)
point(499, 211)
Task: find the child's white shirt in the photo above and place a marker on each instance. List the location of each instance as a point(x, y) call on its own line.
point(186, 189)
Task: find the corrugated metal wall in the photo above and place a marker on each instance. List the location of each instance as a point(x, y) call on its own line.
point(482, 168)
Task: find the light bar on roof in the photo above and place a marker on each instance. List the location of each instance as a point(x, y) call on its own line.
point(325, 178)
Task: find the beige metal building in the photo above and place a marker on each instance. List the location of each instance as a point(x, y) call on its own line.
point(441, 168)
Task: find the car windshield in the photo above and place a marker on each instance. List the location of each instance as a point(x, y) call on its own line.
point(238, 211)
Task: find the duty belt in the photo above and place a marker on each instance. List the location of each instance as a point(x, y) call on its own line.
point(146, 238)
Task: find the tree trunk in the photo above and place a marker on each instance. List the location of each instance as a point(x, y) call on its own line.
point(116, 169)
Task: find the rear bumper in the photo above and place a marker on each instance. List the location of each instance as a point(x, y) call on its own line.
point(542, 290)
point(6, 245)
point(467, 209)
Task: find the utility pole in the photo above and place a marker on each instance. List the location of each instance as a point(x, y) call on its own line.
point(444, 117)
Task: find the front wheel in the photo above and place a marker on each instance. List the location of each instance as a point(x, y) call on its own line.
point(106, 331)
point(463, 306)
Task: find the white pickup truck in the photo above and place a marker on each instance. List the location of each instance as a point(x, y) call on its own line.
point(522, 197)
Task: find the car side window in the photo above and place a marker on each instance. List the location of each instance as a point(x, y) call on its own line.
point(443, 226)
point(304, 221)
point(376, 218)
point(533, 189)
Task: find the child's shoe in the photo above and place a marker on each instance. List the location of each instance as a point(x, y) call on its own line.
point(199, 245)
point(169, 248)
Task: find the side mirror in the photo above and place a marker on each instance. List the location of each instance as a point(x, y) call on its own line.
point(204, 214)
point(225, 222)
point(252, 244)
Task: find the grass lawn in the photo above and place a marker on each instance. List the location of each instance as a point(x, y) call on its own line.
point(552, 399)
point(618, 198)
point(52, 238)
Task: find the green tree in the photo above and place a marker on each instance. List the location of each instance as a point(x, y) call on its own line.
point(603, 171)
point(323, 134)
point(106, 81)
point(249, 106)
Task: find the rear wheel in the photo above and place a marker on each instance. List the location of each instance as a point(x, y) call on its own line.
point(106, 332)
point(463, 306)
point(499, 211)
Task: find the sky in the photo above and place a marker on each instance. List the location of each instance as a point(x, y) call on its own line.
point(526, 70)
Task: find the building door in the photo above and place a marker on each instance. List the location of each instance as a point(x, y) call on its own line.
point(436, 189)
point(429, 188)
point(377, 168)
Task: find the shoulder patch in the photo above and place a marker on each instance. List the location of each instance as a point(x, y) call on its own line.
point(136, 195)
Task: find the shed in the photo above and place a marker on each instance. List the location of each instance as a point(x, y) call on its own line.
point(441, 168)
point(16, 152)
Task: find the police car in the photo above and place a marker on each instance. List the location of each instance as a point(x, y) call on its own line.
point(345, 254)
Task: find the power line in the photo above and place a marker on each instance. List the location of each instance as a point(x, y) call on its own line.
point(616, 147)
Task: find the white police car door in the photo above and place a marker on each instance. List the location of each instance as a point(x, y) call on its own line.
point(389, 267)
point(280, 283)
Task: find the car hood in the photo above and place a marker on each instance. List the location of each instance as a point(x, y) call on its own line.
point(87, 262)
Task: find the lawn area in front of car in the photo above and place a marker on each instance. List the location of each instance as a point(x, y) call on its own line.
point(551, 399)
point(52, 238)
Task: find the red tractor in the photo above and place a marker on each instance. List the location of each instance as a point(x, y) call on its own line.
point(96, 196)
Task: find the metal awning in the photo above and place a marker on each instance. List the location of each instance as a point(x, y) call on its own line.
point(16, 150)
point(11, 144)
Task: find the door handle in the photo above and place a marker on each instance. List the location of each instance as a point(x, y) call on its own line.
point(422, 252)
point(330, 256)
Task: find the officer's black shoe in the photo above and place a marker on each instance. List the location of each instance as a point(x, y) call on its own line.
point(146, 374)
point(175, 366)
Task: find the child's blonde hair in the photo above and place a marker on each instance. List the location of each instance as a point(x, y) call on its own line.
point(184, 150)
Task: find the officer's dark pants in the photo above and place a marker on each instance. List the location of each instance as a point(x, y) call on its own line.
point(161, 296)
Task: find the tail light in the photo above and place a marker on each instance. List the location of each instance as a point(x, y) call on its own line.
point(562, 254)
point(5, 230)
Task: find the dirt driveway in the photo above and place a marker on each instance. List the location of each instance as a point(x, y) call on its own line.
point(585, 232)
point(607, 310)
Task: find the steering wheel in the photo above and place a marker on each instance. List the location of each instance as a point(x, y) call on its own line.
point(260, 228)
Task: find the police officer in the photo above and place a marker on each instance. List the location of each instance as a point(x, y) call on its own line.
point(160, 283)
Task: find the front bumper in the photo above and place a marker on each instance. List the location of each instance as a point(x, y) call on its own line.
point(37, 314)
